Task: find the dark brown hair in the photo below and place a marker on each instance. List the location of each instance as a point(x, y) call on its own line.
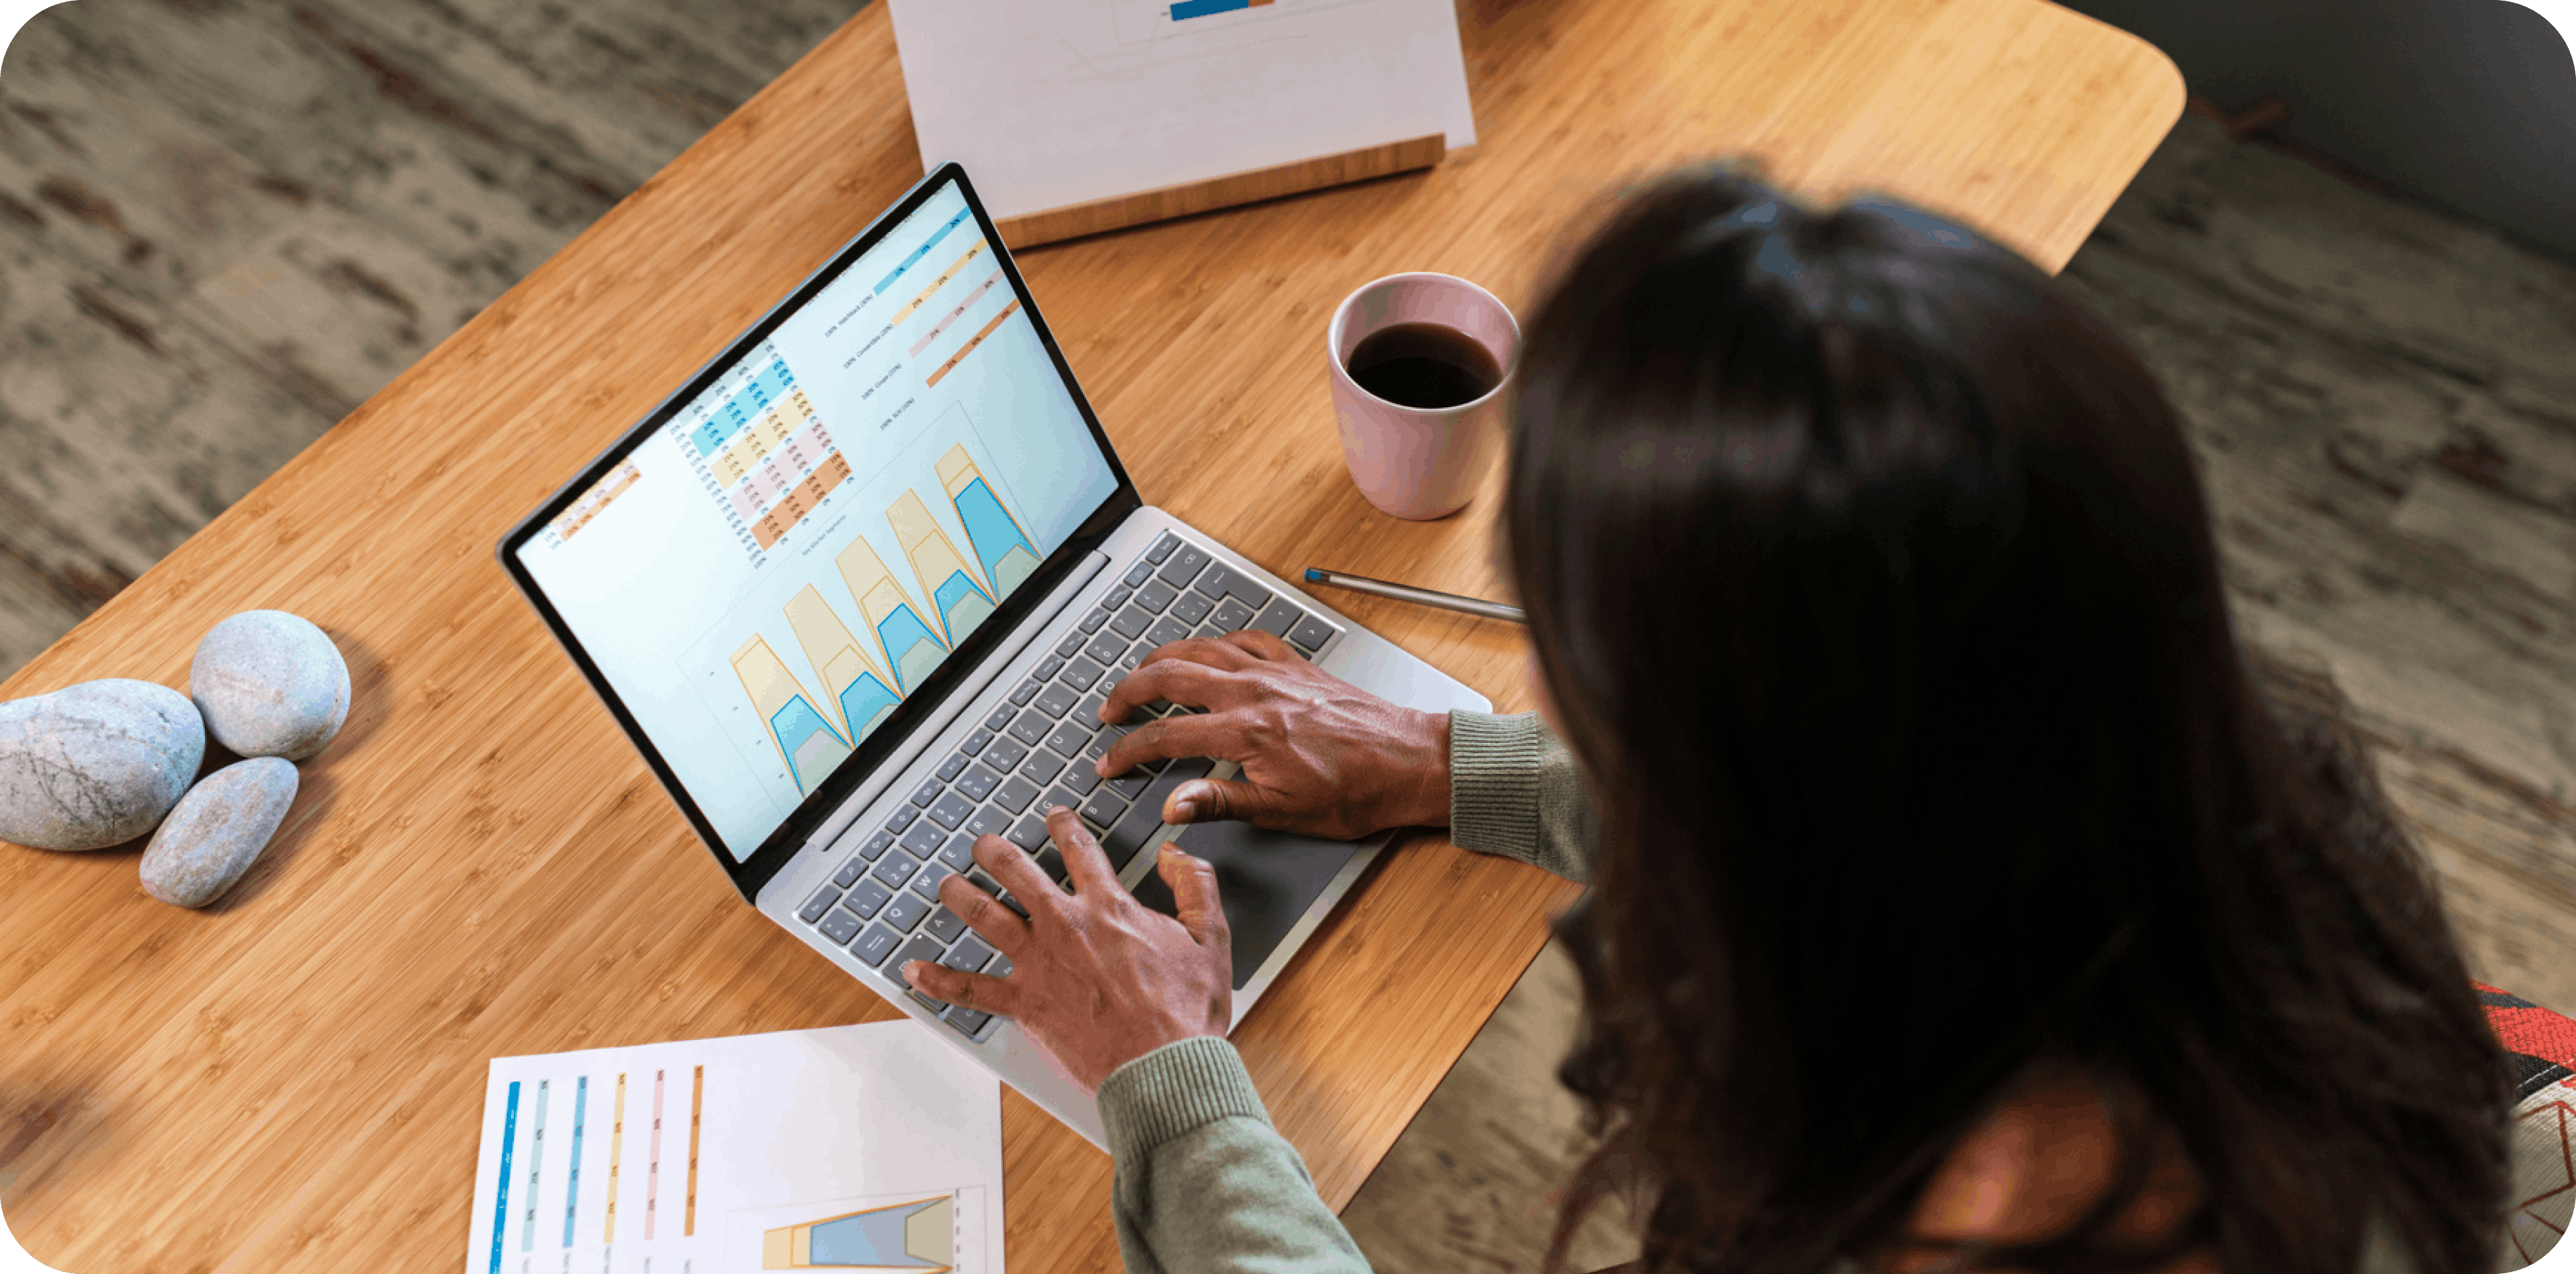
point(1871, 580)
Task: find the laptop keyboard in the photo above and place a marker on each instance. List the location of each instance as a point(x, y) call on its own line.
point(1036, 750)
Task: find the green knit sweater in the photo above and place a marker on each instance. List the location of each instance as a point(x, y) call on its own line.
point(1205, 1184)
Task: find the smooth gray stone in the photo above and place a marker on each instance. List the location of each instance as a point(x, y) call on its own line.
point(96, 764)
point(218, 831)
point(270, 684)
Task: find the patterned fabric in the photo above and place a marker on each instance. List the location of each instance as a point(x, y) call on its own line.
point(2543, 1046)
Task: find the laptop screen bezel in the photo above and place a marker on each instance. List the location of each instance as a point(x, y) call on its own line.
point(755, 868)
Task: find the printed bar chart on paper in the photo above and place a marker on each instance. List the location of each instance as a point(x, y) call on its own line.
point(807, 1150)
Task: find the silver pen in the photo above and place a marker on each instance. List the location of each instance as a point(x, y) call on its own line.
point(1422, 596)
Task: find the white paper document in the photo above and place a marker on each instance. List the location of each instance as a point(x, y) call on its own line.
point(1050, 103)
point(870, 1147)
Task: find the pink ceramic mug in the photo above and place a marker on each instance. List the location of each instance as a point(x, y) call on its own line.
point(1418, 462)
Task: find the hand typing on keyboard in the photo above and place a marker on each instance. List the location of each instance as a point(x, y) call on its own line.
point(1320, 756)
point(1096, 978)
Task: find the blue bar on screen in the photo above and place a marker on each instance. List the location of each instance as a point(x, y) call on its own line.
point(1201, 8)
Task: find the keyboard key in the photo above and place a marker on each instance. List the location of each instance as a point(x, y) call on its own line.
point(952, 767)
point(975, 742)
point(1015, 794)
point(1069, 737)
point(1006, 753)
point(840, 927)
point(966, 1021)
point(986, 821)
point(936, 1007)
point(1104, 807)
point(867, 899)
point(1117, 598)
point(1079, 777)
point(1166, 631)
point(1028, 690)
point(903, 911)
point(1142, 572)
point(1190, 608)
point(1162, 548)
point(923, 840)
point(818, 904)
point(1091, 622)
point(926, 885)
point(979, 879)
point(926, 793)
point(959, 852)
point(1071, 643)
point(1221, 580)
point(1029, 833)
point(1146, 815)
point(1059, 796)
point(1136, 657)
point(1081, 674)
point(1001, 717)
point(1278, 617)
point(1030, 726)
point(1311, 633)
point(875, 945)
point(875, 846)
point(1127, 785)
point(896, 868)
point(1231, 614)
point(1131, 622)
point(850, 871)
point(920, 948)
point(1185, 566)
point(1156, 595)
point(1088, 711)
point(999, 968)
point(944, 925)
point(903, 816)
point(978, 781)
point(1055, 701)
point(1106, 648)
point(970, 955)
point(1042, 767)
point(1052, 863)
point(1047, 666)
point(950, 810)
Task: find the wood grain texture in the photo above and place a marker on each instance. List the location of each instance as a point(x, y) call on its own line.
point(1073, 221)
point(225, 223)
point(481, 866)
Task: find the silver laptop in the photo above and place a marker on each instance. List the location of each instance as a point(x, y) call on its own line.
point(857, 590)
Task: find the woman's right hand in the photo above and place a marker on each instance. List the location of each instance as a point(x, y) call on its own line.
point(1320, 756)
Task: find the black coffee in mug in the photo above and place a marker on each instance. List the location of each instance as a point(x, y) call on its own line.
point(1424, 365)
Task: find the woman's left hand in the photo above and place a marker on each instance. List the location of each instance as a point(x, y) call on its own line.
point(1097, 978)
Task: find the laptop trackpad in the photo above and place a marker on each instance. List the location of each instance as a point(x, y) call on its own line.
point(1265, 879)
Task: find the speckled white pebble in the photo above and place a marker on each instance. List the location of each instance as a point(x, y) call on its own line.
point(218, 831)
point(270, 684)
point(96, 764)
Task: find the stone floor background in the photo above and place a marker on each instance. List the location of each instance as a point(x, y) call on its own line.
point(227, 222)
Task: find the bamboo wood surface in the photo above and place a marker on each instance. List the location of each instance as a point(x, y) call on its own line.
point(480, 866)
point(1073, 221)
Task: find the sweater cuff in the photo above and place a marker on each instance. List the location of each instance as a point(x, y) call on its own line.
point(1174, 1090)
point(1494, 782)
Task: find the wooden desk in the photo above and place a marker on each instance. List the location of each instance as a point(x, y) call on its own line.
point(480, 866)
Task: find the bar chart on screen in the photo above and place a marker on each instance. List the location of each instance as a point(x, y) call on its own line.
point(869, 643)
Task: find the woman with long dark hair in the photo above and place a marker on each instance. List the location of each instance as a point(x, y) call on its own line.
point(1964, 894)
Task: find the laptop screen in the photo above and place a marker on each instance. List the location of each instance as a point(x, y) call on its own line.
point(766, 574)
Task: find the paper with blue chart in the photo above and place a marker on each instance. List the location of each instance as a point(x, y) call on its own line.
point(769, 575)
point(850, 1148)
point(1052, 103)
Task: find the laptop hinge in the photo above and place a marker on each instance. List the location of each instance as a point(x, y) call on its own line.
point(966, 692)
